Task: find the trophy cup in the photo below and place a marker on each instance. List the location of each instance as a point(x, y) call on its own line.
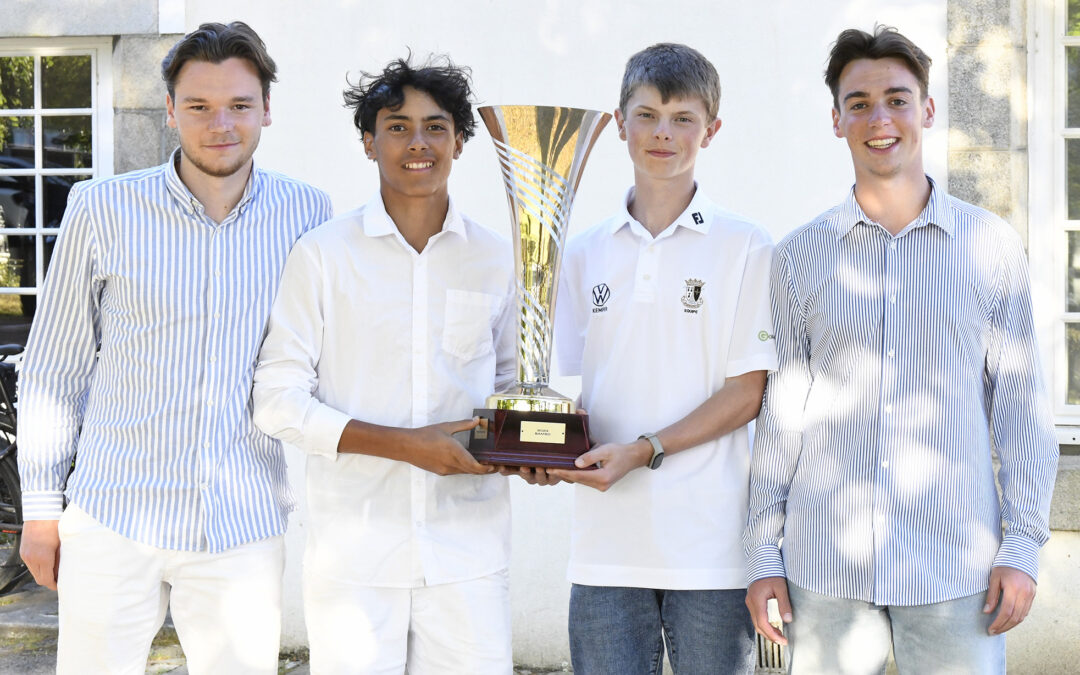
point(542, 151)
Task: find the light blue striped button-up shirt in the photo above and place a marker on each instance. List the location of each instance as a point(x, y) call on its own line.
point(140, 361)
point(902, 361)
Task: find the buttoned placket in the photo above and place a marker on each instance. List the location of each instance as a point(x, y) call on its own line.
point(215, 382)
point(890, 328)
point(420, 369)
point(646, 270)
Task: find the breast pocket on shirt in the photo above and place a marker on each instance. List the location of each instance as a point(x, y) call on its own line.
point(467, 323)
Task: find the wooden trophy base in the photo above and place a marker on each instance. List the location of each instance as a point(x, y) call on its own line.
point(533, 439)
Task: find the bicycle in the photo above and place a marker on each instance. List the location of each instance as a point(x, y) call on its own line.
point(12, 569)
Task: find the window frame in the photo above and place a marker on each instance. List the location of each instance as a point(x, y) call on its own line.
point(101, 129)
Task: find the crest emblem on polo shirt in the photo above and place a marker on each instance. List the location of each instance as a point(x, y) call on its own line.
point(600, 295)
point(691, 298)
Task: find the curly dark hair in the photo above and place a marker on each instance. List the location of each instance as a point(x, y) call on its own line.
point(439, 78)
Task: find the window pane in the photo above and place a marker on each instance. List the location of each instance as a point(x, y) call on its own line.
point(1072, 339)
point(17, 255)
point(67, 141)
point(1072, 105)
point(17, 142)
point(1073, 289)
point(16, 200)
point(17, 82)
point(56, 194)
point(1073, 27)
point(65, 81)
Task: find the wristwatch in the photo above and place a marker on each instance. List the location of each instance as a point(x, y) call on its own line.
point(657, 450)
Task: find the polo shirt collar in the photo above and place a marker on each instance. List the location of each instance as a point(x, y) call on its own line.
point(696, 216)
point(378, 223)
point(936, 212)
point(188, 201)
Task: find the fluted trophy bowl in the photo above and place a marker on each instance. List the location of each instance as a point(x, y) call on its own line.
point(542, 152)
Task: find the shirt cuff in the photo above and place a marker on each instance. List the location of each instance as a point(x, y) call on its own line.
point(1020, 553)
point(326, 425)
point(43, 505)
point(764, 561)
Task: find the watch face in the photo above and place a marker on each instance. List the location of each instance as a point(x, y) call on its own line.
point(655, 464)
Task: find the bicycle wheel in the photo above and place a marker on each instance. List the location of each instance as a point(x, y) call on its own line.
point(12, 569)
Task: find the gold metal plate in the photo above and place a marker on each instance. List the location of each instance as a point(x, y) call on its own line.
point(543, 432)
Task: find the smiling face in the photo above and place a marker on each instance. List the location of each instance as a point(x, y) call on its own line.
point(415, 147)
point(882, 115)
point(664, 138)
point(219, 112)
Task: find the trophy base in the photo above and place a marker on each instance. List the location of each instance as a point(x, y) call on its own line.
point(551, 440)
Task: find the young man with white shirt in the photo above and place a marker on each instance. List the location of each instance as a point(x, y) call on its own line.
point(139, 365)
point(907, 359)
point(679, 287)
point(393, 322)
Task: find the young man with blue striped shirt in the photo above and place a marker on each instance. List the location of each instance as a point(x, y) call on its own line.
point(139, 367)
point(907, 357)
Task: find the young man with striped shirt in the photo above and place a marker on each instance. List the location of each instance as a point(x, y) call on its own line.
point(139, 366)
point(907, 355)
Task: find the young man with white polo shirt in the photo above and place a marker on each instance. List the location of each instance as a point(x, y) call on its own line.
point(664, 311)
point(392, 322)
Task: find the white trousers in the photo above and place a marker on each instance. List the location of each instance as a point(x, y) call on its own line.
point(450, 629)
point(114, 591)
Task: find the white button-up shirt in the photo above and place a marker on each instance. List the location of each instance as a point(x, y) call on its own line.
point(365, 327)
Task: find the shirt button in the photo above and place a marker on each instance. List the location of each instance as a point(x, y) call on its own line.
point(888, 409)
point(885, 464)
point(892, 245)
point(646, 277)
point(209, 401)
point(892, 353)
point(206, 445)
point(203, 486)
point(213, 359)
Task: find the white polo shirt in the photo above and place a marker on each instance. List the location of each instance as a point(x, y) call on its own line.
point(654, 327)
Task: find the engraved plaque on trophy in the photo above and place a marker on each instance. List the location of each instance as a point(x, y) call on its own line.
point(542, 151)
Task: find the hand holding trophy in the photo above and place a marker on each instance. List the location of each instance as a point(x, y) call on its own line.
point(542, 151)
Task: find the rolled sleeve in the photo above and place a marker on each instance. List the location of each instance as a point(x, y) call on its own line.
point(285, 382)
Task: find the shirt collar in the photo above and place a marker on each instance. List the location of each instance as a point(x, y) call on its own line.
point(187, 200)
point(378, 223)
point(936, 212)
point(696, 216)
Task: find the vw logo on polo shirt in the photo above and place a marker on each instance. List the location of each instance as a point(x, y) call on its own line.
point(691, 298)
point(600, 295)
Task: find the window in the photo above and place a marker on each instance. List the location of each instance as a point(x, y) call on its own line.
point(54, 127)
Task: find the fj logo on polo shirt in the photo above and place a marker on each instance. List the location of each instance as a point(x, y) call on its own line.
point(692, 299)
point(600, 295)
point(697, 217)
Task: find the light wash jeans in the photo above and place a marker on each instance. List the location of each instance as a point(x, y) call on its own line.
point(621, 631)
point(835, 635)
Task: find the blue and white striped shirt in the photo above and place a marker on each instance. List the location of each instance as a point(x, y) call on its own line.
point(903, 360)
point(140, 361)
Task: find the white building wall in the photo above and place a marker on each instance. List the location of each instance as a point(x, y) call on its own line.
point(775, 159)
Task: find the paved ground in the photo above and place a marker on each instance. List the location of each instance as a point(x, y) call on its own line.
point(28, 640)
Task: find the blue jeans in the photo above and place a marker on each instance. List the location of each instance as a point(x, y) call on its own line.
point(851, 637)
point(621, 631)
